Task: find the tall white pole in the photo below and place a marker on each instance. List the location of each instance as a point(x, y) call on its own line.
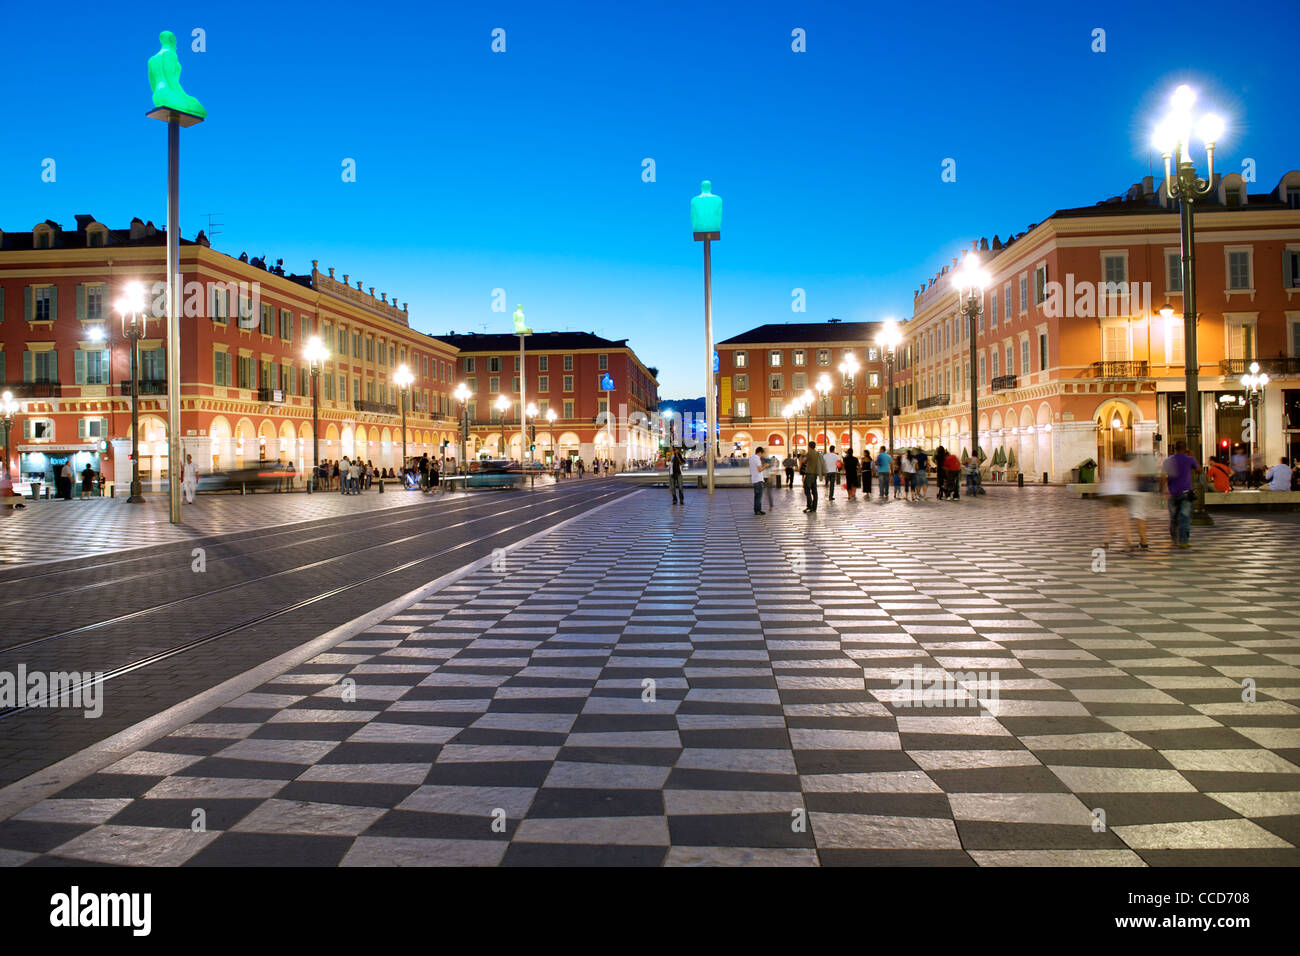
point(710, 403)
point(174, 286)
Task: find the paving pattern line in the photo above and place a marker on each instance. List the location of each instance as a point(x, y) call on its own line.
point(30, 790)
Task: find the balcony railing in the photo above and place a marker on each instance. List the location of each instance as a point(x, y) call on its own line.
point(1235, 368)
point(1121, 369)
point(33, 389)
point(1003, 382)
point(146, 386)
point(741, 419)
point(379, 408)
point(932, 401)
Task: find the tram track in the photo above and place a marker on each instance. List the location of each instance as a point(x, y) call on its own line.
point(315, 599)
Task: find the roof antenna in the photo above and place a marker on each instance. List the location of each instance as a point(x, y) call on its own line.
point(212, 231)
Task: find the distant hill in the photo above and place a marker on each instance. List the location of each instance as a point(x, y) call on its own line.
point(683, 404)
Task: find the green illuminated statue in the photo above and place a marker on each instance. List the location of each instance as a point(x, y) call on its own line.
point(165, 80)
point(520, 328)
point(706, 210)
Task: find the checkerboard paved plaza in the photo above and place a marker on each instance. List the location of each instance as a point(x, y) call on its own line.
point(508, 719)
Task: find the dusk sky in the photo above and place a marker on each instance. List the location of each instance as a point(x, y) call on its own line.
point(522, 170)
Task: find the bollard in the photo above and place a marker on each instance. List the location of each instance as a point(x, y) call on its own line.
point(1044, 477)
point(243, 489)
point(1020, 479)
point(381, 486)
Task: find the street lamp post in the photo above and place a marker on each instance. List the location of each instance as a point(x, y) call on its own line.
point(530, 414)
point(503, 404)
point(463, 395)
point(824, 389)
point(8, 409)
point(970, 281)
point(131, 307)
point(706, 227)
point(1173, 138)
point(523, 332)
point(403, 378)
point(316, 355)
point(551, 416)
point(787, 413)
point(1254, 382)
point(849, 370)
point(887, 339)
point(806, 403)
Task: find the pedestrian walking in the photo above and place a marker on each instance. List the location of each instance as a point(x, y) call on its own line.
point(972, 476)
point(952, 477)
point(832, 472)
point(850, 462)
point(921, 479)
point(757, 468)
point(883, 467)
point(940, 470)
point(867, 468)
point(898, 478)
point(789, 464)
point(814, 467)
point(88, 482)
point(773, 479)
point(907, 465)
point(1176, 476)
point(1125, 503)
point(675, 465)
point(189, 479)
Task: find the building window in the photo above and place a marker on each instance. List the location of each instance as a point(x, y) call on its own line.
point(799, 381)
point(774, 358)
point(994, 362)
point(370, 349)
point(981, 369)
point(993, 310)
point(543, 364)
point(356, 345)
point(1291, 268)
point(1024, 356)
point(1011, 366)
point(494, 384)
point(1239, 270)
point(266, 324)
point(91, 367)
point(1024, 294)
point(776, 382)
point(1040, 284)
point(1174, 271)
point(823, 356)
point(1114, 269)
point(221, 368)
point(602, 362)
point(1042, 351)
point(568, 366)
point(568, 387)
point(544, 383)
point(740, 359)
point(514, 383)
point(95, 301)
point(286, 325)
point(742, 383)
point(799, 357)
point(568, 408)
point(1293, 196)
point(873, 354)
point(42, 303)
point(468, 363)
point(873, 380)
point(775, 407)
point(742, 409)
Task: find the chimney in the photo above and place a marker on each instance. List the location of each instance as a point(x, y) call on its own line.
point(1148, 185)
point(984, 244)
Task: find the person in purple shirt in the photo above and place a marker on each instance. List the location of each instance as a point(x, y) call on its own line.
point(1176, 476)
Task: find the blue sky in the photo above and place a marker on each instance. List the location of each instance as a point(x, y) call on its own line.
point(523, 170)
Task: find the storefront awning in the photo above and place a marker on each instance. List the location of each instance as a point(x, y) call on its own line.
point(87, 446)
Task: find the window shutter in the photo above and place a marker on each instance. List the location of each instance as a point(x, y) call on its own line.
point(2, 303)
point(81, 424)
point(81, 301)
point(105, 370)
point(54, 303)
point(27, 364)
point(80, 364)
point(27, 303)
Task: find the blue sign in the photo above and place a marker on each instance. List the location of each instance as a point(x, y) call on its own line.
point(716, 365)
point(607, 382)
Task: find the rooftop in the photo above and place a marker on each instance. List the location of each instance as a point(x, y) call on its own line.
point(832, 330)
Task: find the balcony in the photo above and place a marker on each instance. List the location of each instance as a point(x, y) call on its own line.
point(932, 401)
point(146, 386)
point(741, 419)
point(34, 389)
point(1003, 383)
point(1118, 370)
point(1235, 368)
point(377, 408)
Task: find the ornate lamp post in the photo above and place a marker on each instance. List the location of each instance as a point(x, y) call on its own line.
point(131, 307)
point(806, 404)
point(551, 416)
point(463, 395)
point(788, 413)
point(849, 370)
point(403, 378)
point(530, 414)
point(970, 281)
point(8, 409)
point(1254, 382)
point(824, 390)
point(503, 404)
point(316, 355)
point(706, 227)
point(522, 330)
point(887, 339)
point(1173, 138)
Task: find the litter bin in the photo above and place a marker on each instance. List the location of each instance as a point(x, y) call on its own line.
point(1088, 474)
